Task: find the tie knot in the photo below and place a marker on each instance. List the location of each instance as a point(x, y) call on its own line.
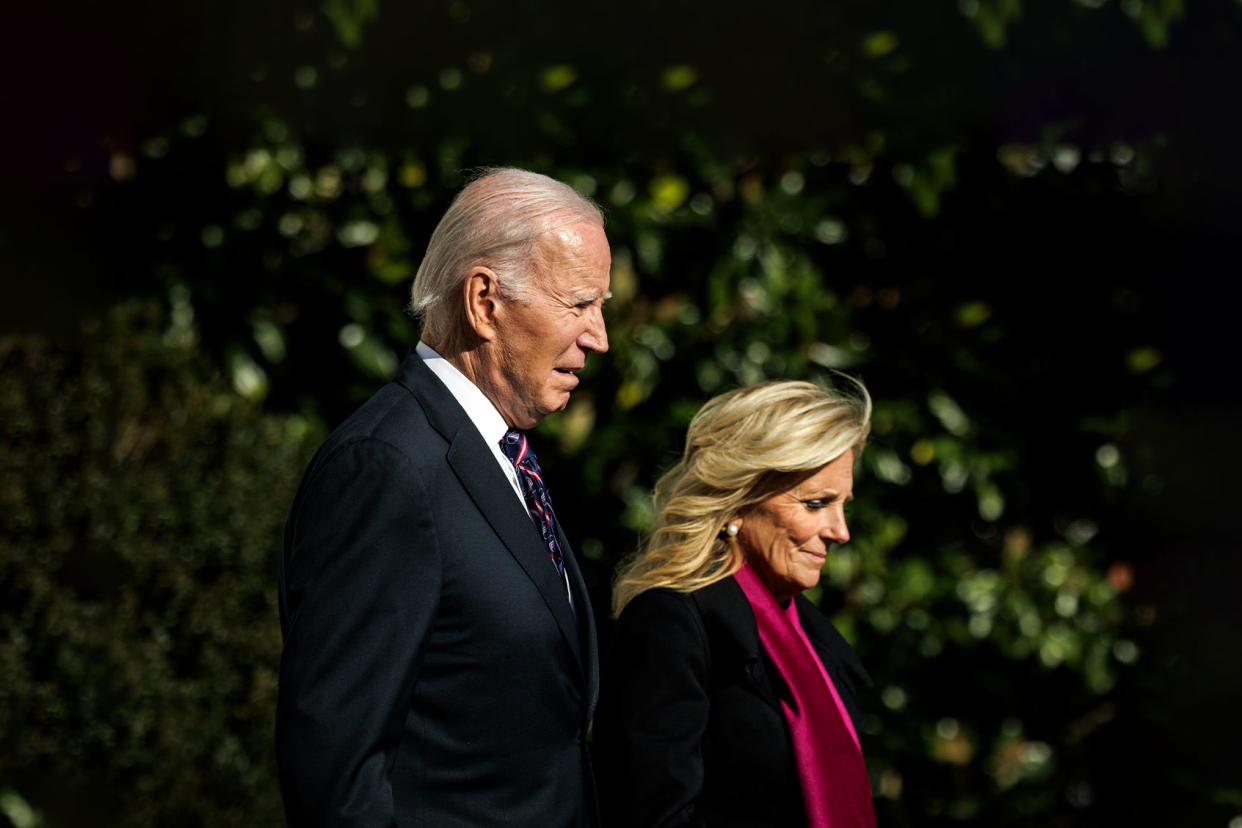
point(516, 447)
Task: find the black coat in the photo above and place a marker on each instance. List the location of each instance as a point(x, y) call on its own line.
point(433, 673)
point(689, 729)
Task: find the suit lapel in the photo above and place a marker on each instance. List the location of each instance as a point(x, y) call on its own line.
point(586, 618)
point(475, 466)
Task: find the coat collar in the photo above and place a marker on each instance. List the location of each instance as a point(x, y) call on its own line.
point(724, 606)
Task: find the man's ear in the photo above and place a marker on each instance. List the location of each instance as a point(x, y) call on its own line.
point(482, 298)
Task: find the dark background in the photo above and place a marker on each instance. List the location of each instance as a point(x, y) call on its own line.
point(1013, 220)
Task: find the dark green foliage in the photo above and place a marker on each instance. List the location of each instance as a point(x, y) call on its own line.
point(1006, 217)
point(141, 505)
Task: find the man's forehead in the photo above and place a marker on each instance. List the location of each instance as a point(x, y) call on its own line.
point(571, 239)
point(571, 262)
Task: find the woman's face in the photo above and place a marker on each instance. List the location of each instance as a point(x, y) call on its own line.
point(786, 538)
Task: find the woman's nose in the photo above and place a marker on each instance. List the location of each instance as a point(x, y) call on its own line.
point(835, 528)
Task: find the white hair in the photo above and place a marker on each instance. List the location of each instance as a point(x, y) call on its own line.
point(494, 221)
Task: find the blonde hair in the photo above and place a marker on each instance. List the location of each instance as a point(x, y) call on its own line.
point(495, 220)
point(741, 447)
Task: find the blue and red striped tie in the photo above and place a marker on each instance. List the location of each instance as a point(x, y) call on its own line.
point(518, 450)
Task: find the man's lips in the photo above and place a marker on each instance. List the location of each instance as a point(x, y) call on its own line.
point(569, 378)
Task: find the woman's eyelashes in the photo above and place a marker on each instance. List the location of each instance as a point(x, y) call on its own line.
point(814, 504)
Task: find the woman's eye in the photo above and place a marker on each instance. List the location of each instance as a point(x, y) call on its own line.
point(813, 505)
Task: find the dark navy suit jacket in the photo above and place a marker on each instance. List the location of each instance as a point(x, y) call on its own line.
point(433, 673)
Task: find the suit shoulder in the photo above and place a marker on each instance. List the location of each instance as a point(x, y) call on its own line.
point(660, 617)
point(388, 415)
point(717, 613)
point(386, 432)
point(724, 597)
point(656, 602)
point(728, 617)
point(392, 417)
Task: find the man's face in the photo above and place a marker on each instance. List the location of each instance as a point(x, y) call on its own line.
point(543, 340)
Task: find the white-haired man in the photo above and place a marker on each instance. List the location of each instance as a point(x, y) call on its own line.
point(439, 663)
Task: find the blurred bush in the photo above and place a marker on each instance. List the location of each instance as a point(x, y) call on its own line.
point(975, 206)
point(141, 504)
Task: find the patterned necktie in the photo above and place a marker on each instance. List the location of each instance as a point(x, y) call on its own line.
point(519, 452)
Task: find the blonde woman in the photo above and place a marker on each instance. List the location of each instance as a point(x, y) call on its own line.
point(730, 700)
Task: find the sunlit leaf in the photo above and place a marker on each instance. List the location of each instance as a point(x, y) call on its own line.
point(677, 78)
point(556, 78)
point(879, 44)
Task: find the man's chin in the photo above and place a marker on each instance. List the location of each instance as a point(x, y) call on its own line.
point(548, 404)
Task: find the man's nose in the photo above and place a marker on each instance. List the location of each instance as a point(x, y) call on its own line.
point(595, 336)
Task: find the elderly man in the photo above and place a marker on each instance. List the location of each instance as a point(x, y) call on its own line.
point(439, 663)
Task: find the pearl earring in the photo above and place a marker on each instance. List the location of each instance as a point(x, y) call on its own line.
point(732, 529)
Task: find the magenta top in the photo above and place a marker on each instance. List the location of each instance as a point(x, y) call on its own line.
point(791, 612)
point(835, 789)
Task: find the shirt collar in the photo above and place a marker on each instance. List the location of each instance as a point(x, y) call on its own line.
point(476, 404)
